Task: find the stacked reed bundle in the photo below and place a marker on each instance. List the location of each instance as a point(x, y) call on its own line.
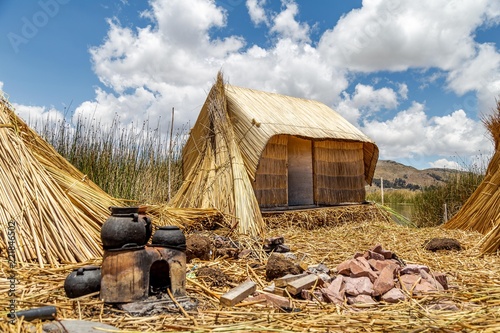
point(480, 212)
point(217, 177)
point(57, 211)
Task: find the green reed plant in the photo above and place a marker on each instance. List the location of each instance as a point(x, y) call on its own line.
point(128, 162)
point(429, 204)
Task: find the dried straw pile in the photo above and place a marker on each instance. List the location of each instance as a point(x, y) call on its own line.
point(474, 281)
point(57, 210)
point(481, 211)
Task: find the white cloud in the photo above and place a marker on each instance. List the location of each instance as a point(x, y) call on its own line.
point(480, 74)
point(257, 12)
point(147, 71)
point(1, 85)
point(412, 133)
point(397, 35)
point(443, 163)
point(366, 100)
point(286, 26)
point(403, 90)
point(38, 116)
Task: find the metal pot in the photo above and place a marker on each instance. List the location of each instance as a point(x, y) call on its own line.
point(169, 236)
point(83, 281)
point(125, 226)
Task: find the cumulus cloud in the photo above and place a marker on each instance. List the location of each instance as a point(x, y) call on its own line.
point(443, 163)
point(412, 133)
point(37, 116)
point(257, 12)
point(286, 26)
point(1, 85)
point(145, 71)
point(366, 100)
point(397, 35)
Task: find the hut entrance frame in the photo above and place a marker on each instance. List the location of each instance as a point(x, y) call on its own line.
point(294, 171)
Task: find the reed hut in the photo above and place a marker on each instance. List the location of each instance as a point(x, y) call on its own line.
point(50, 212)
point(251, 150)
point(481, 211)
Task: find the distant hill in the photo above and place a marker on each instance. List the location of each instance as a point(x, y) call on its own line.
point(400, 176)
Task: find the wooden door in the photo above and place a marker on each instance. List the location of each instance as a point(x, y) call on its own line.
point(300, 172)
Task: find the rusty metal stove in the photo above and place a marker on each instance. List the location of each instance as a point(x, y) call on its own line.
point(134, 272)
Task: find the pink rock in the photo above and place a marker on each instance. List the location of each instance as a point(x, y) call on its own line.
point(394, 295)
point(337, 285)
point(361, 299)
point(378, 249)
point(423, 287)
point(375, 255)
point(343, 267)
point(358, 286)
point(442, 279)
point(379, 265)
point(331, 297)
point(385, 281)
point(358, 254)
point(410, 280)
point(360, 267)
point(413, 269)
point(429, 278)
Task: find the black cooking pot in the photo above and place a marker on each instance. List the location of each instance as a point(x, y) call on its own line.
point(125, 226)
point(83, 281)
point(169, 236)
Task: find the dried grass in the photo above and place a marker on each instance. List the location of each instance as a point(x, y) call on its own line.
point(57, 211)
point(474, 281)
point(480, 212)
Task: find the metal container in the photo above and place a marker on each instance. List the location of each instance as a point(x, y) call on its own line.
point(125, 226)
point(83, 281)
point(169, 236)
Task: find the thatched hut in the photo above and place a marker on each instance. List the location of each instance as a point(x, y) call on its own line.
point(251, 149)
point(481, 211)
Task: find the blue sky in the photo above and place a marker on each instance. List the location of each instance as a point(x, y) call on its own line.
point(415, 76)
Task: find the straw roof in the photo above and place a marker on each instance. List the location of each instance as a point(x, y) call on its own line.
point(57, 212)
point(481, 211)
point(221, 156)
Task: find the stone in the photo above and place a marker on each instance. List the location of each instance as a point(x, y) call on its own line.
point(385, 281)
point(444, 307)
point(414, 269)
point(360, 267)
point(358, 286)
point(335, 291)
point(424, 287)
point(343, 267)
point(325, 277)
point(442, 279)
point(237, 294)
point(77, 326)
point(278, 266)
point(379, 265)
point(447, 244)
point(410, 280)
point(380, 250)
point(429, 278)
point(394, 295)
point(319, 268)
point(375, 255)
point(360, 299)
point(295, 287)
point(284, 280)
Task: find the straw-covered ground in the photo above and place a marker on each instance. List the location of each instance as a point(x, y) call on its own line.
point(474, 287)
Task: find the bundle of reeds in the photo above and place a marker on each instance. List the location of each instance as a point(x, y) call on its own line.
point(56, 210)
point(481, 211)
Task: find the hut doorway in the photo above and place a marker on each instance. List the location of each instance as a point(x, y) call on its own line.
point(300, 172)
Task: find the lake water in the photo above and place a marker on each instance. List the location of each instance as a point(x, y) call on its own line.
point(404, 209)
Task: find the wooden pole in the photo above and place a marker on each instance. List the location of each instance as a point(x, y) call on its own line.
point(445, 213)
point(382, 189)
point(170, 157)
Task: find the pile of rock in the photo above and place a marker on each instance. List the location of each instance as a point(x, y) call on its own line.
point(368, 278)
point(378, 275)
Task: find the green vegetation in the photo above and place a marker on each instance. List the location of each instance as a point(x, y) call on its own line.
point(129, 163)
point(392, 196)
point(429, 204)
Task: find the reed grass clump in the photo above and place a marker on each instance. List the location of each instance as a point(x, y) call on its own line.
point(128, 162)
point(429, 204)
